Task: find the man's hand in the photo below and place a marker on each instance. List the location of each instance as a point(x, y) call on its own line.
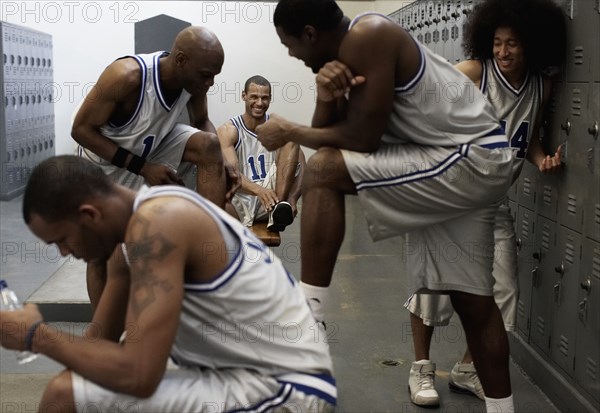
point(268, 198)
point(15, 324)
point(551, 164)
point(271, 133)
point(334, 80)
point(233, 179)
point(158, 174)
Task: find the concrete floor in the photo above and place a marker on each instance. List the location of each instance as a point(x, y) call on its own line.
point(368, 329)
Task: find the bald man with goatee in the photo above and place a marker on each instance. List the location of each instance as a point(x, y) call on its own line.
point(130, 124)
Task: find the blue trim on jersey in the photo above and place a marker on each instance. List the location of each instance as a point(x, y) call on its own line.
point(413, 176)
point(144, 70)
point(489, 142)
point(418, 76)
point(224, 276)
point(421, 70)
point(268, 404)
point(506, 83)
point(484, 77)
point(239, 123)
point(156, 80)
point(321, 385)
point(237, 126)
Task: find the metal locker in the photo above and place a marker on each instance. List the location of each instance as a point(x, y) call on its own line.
point(547, 196)
point(592, 139)
point(565, 290)
point(513, 191)
point(542, 280)
point(583, 32)
point(27, 61)
point(526, 265)
point(528, 185)
point(587, 358)
point(574, 178)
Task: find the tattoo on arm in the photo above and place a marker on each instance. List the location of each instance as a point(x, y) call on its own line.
point(143, 252)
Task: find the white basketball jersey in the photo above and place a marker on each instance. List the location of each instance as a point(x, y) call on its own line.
point(153, 118)
point(253, 315)
point(517, 109)
point(254, 159)
point(439, 107)
point(255, 162)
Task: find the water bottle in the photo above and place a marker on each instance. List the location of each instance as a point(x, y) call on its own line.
point(10, 302)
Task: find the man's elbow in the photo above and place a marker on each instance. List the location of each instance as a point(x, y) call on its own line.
point(143, 387)
point(77, 133)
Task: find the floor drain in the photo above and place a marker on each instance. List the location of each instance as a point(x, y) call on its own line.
point(390, 363)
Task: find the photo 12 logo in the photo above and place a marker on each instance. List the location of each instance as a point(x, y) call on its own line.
point(28, 12)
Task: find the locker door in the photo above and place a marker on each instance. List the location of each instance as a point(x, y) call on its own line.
point(448, 45)
point(528, 186)
point(587, 359)
point(583, 29)
point(592, 138)
point(527, 266)
point(574, 177)
point(565, 290)
point(543, 279)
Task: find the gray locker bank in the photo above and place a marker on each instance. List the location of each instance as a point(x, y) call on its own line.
point(557, 218)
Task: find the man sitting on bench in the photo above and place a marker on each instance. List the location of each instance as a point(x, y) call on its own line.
point(270, 180)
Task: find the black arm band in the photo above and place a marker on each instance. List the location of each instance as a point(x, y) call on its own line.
point(136, 164)
point(120, 157)
point(30, 333)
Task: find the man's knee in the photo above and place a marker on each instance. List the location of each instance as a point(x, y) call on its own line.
point(325, 167)
point(473, 309)
point(59, 390)
point(202, 146)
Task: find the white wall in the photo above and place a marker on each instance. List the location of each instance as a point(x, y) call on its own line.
point(88, 35)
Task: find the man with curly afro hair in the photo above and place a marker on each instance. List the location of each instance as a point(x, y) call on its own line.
point(513, 46)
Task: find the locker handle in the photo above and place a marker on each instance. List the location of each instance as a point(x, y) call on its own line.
point(537, 256)
point(560, 269)
point(557, 293)
point(566, 126)
point(535, 278)
point(582, 311)
point(519, 243)
point(594, 130)
point(586, 285)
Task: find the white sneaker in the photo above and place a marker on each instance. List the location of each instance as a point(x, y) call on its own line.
point(420, 384)
point(464, 379)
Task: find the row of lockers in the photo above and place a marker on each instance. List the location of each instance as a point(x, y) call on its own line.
point(558, 310)
point(557, 217)
point(27, 54)
point(439, 23)
point(27, 115)
point(572, 198)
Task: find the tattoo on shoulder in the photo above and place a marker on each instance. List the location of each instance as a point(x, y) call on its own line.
point(145, 250)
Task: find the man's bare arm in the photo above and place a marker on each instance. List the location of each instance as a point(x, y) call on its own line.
point(116, 83)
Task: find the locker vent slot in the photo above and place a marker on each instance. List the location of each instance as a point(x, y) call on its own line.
point(540, 324)
point(591, 368)
point(547, 195)
point(563, 346)
point(572, 204)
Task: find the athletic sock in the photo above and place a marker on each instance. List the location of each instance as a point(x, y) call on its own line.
point(505, 405)
point(316, 297)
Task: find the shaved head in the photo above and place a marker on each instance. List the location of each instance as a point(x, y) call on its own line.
point(194, 39)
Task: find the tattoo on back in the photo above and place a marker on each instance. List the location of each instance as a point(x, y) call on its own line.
point(145, 250)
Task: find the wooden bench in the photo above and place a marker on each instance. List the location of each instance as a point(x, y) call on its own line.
point(270, 238)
